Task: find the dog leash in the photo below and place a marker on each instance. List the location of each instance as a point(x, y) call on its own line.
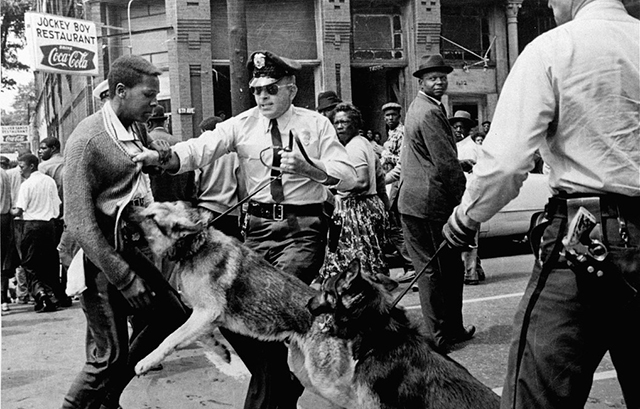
point(404, 292)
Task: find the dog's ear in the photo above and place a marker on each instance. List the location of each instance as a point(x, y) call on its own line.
point(389, 284)
point(353, 270)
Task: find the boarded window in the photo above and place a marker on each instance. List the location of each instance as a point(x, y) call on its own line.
point(377, 36)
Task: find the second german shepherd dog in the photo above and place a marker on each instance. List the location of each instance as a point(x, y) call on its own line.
point(354, 350)
point(395, 365)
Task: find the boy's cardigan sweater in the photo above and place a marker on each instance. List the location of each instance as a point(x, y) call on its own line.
point(97, 175)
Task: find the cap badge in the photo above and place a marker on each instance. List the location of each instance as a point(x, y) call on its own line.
point(258, 60)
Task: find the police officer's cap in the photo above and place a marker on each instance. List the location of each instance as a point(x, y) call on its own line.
point(101, 90)
point(266, 68)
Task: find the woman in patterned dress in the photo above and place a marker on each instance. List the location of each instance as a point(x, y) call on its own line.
point(360, 212)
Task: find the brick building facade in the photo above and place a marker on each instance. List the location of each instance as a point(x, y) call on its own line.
point(365, 50)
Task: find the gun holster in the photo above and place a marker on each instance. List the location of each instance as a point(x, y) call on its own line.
point(585, 250)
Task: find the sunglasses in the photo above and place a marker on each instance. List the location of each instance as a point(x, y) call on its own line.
point(272, 89)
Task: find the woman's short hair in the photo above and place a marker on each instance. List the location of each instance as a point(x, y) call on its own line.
point(130, 71)
point(352, 112)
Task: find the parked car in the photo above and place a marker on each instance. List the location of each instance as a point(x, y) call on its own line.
point(514, 219)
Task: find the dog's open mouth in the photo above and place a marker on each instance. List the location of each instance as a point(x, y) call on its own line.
point(325, 322)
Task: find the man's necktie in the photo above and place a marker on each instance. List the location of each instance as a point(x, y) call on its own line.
point(276, 186)
point(444, 111)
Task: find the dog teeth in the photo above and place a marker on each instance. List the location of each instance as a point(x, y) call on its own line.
point(325, 322)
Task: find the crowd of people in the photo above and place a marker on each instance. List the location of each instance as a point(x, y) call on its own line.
point(413, 198)
point(35, 248)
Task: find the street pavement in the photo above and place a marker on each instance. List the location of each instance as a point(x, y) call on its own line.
point(42, 353)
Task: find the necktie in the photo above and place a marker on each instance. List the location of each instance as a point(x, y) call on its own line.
point(444, 111)
point(276, 186)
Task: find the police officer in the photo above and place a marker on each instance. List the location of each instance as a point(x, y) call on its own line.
point(285, 223)
point(574, 94)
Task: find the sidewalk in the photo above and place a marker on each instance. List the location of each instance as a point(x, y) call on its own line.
point(42, 353)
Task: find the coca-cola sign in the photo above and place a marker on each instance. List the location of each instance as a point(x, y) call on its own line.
point(66, 57)
point(62, 45)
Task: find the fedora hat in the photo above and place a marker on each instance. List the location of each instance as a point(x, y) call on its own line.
point(327, 100)
point(429, 63)
point(157, 113)
point(462, 116)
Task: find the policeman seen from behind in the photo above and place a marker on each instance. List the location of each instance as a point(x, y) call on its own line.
point(285, 222)
point(574, 94)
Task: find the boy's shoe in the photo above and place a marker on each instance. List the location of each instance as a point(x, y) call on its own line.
point(44, 304)
point(65, 302)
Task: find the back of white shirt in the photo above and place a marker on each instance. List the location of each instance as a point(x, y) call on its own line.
point(38, 198)
point(574, 93)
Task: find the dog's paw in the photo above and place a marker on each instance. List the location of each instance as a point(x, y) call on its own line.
point(146, 365)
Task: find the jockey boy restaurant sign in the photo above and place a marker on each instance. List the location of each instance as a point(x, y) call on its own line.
point(62, 45)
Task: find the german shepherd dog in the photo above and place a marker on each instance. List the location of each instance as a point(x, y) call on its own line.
point(227, 284)
point(396, 367)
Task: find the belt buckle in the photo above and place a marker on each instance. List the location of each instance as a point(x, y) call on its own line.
point(278, 212)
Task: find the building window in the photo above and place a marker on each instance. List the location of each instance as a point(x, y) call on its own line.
point(534, 18)
point(466, 34)
point(377, 36)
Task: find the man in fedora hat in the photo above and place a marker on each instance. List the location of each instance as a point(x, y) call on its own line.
point(286, 222)
point(327, 102)
point(462, 123)
point(431, 185)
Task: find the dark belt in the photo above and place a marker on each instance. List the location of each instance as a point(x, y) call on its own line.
point(611, 205)
point(274, 211)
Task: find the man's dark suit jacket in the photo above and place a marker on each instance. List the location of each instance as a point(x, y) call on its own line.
point(431, 181)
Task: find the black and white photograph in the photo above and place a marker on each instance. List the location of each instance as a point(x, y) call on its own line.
point(320, 204)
